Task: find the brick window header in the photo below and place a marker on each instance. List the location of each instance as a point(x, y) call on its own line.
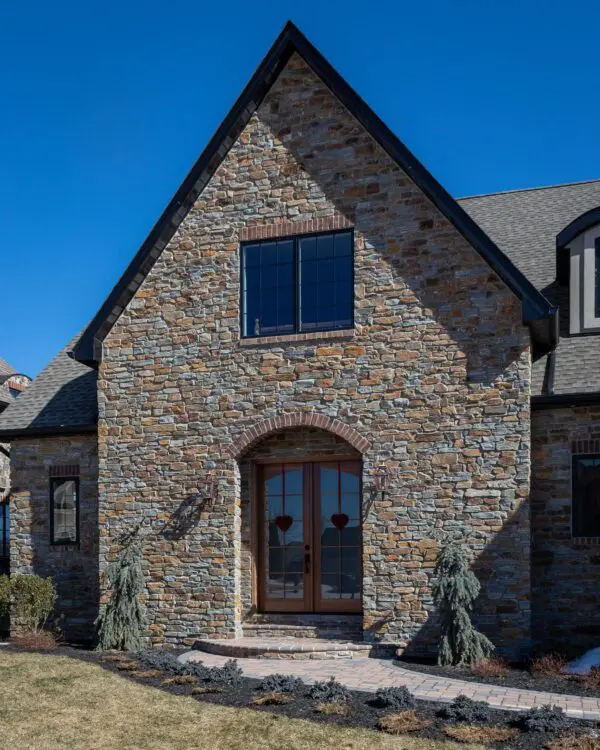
point(64, 470)
point(293, 228)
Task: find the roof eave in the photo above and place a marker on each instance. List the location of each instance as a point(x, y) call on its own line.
point(13, 434)
point(564, 400)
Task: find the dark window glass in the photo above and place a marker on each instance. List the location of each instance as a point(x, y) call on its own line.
point(586, 496)
point(326, 288)
point(301, 284)
point(4, 535)
point(597, 280)
point(267, 288)
point(64, 510)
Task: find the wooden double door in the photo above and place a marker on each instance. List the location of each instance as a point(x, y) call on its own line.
point(310, 540)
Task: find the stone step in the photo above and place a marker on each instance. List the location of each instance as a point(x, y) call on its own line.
point(300, 625)
point(276, 630)
point(284, 648)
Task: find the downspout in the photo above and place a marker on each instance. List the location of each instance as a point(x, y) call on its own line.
point(551, 372)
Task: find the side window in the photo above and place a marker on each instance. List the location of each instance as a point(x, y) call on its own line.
point(585, 506)
point(298, 284)
point(64, 510)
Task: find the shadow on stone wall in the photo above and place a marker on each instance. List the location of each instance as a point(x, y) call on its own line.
point(502, 614)
point(456, 289)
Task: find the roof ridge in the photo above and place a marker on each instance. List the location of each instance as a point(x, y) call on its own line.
point(528, 190)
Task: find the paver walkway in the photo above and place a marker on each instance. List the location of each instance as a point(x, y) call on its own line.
point(369, 674)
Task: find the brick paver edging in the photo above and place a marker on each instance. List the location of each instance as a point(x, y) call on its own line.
point(370, 674)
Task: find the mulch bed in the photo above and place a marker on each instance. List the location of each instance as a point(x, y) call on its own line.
point(517, 677)
point(361, 713)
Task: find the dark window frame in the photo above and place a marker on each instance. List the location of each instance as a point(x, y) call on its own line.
point(596, 277)
point(297, 325)
point(5, 536)
point(58, 480)
point(575, 495)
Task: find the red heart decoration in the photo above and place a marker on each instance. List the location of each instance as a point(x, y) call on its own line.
point(283, 523)
point(339, 520)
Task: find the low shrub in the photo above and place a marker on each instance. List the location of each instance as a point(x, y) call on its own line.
point(280, 683)
point(329, 692)
point(402, 722)
point(41, 640)
point(493, 666)
point(591, 681)
point(476, 733)
point(149, 674)
point(115, 657)
point(181, 679)
point(128, 666)
point(466, 710)
point(271, 699)
point(548, 665)
point(229, 675)
point(332, 708)
point(158, 658)
point(575, 742)
point(547, 719)
point(396, 698)
point(28, 599)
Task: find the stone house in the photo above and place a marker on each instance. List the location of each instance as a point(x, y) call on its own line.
point(316, 363)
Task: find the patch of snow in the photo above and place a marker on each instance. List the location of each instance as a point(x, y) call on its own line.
point(584, 664)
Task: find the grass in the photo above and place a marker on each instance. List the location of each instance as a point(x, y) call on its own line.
point(53, 702)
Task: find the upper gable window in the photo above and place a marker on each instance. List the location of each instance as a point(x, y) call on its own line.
point(298, 284)
point(584, 284)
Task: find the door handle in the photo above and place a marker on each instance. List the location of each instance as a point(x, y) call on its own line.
point(307, 559)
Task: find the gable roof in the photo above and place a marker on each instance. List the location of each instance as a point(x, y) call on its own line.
point(537, 311)
point(6, 371)
point(61, 399)
point(526, 225)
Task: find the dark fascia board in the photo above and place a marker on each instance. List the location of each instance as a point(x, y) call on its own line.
point(567, 235)
point(534, 305)
point(564, 400)
point(27, 432)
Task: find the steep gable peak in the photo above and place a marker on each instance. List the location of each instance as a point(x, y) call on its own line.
point(538, 313)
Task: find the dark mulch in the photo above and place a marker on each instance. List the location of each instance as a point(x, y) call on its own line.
point(362, 712)
point(518, 677)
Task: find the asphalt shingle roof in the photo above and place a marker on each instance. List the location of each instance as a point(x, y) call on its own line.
point(524, 224)
point(62, 396)
point(5, 368)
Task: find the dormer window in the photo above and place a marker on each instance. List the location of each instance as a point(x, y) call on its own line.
point(578, 247)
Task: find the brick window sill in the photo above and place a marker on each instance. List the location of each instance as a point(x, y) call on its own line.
point(293, 338)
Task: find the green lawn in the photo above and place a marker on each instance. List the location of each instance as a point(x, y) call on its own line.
point(51, 702)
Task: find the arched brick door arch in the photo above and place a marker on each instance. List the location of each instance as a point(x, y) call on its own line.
point(254, 434)
point(288, 464)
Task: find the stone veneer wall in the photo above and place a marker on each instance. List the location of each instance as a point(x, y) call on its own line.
point(279, 447)
point(565, 571)
point(74, 569)
point(435, 374)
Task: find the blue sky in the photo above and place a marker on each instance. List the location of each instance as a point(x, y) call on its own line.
point(106, 105)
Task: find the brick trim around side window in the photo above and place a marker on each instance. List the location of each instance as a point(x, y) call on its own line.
point(293, 228)
point(64, 470)
point(583, 448)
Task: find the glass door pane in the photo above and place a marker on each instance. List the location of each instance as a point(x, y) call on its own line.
point(340, 532)
point(283, 488)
